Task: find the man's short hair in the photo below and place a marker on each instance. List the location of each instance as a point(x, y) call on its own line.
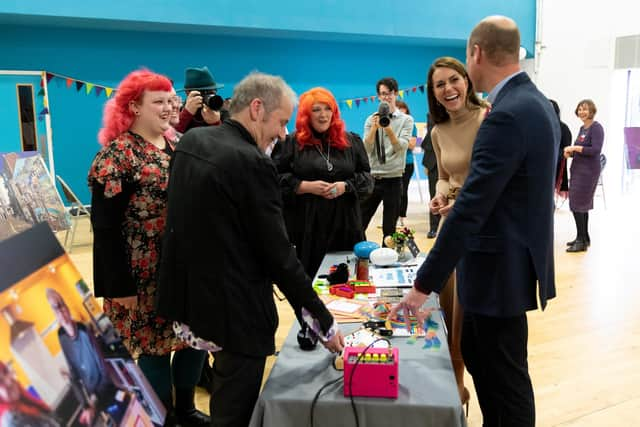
point(500, 43)
point(270, 89)
point(389, 82)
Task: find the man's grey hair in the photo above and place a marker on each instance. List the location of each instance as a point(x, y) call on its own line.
point(270, 89)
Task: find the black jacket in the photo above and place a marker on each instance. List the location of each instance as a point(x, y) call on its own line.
point(225, 243)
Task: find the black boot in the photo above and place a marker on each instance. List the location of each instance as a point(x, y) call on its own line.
point(578, 246)
point(185, 411)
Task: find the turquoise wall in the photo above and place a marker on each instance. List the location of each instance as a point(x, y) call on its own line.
point(348, 57)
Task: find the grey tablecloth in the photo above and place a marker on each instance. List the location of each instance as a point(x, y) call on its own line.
point(428, 393)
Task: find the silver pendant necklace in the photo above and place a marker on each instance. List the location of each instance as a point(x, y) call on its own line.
point(326, 159)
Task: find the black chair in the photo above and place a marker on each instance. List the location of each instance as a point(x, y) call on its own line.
point(77, 211)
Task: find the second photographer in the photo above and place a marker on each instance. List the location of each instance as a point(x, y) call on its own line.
point(387, 135)
point(203, 107)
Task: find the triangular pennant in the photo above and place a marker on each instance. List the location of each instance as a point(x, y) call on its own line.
point(401, 93)
point(99, 90)
point(421, 87)
point(41, 82)
point(79, 85)
point(89, 87)
point(350, 103)
point(358, 102)
point(365, 100)
point(44, 111)
point(108, 91)
point(373, 98)
point(69, 82)
point(49, 77)
point(45, 102)
point(41, 92)
point(413, 89)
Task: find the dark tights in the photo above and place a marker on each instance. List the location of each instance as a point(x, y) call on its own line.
point(582, 226)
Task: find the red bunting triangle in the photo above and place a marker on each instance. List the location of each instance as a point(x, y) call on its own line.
point(69, 82)
point(413, 89)
point(79, 85)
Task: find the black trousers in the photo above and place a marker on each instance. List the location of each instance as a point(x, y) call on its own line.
point(234, 388)
point(406, 179)
point(387, 191)
point(434, 219)
point(495, 353)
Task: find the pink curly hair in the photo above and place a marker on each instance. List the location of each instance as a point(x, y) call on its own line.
point(117, 117)
point(336, 131)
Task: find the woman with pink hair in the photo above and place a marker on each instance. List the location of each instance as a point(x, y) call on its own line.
point(323, 171)
point(128, 181)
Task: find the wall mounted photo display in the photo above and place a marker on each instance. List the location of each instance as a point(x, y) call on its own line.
point(28, 195)
point(61, 361)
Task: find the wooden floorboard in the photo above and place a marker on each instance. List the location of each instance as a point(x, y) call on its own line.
point(584, 350)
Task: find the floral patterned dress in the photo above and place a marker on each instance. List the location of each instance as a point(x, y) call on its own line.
point(128, 179)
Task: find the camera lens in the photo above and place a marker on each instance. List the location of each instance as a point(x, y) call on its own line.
point(214, 102)
point(384, 121)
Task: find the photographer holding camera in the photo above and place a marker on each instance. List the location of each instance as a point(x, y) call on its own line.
point(203, 107)
point(387, 135)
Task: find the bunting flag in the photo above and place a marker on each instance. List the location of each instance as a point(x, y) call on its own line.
point(41, 92)
point(402, 93)
point(79, 84)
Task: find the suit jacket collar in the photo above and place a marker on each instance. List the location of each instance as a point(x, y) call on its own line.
point(516, 80)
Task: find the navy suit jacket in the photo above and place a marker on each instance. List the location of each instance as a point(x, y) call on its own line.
point(499, 234)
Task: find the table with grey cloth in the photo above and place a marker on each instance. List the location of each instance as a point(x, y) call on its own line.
point(428, 395)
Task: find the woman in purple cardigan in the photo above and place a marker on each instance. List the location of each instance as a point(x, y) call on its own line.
point(585, 171)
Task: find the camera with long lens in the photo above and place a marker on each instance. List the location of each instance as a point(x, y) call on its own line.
point(384, 114)
point(212, 100)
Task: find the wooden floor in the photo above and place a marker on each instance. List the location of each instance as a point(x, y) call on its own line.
point(584, 350)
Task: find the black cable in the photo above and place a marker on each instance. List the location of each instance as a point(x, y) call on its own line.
point(317, 396)
point(355, 365)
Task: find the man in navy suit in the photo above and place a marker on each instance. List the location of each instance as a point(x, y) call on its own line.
point(499, 234)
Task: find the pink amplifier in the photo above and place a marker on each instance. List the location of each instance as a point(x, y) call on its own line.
point(376, 374)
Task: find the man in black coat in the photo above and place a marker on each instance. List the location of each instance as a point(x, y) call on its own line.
point(225, 244)
point(499, 234)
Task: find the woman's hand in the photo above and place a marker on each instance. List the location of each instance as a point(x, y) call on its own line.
point(129, 303)
point(444, 211)
point(335, 344)
point(318, 188)
point(438, 202)
point(336, 189)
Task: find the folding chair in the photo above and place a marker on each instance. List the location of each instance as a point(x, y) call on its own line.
point(77, 211)
point(603, 163)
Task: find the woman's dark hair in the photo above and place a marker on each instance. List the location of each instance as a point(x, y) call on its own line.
point(438, 112)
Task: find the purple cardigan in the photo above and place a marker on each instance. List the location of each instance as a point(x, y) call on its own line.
point(585, 168)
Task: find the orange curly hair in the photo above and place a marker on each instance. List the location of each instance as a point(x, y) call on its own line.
point(304, 133)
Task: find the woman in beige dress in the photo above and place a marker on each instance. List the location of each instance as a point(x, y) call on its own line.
point(457, 113)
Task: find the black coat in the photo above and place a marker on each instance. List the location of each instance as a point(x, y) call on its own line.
point(500, 230)
point(225, 243)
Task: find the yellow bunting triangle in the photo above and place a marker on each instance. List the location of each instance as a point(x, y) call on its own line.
point(89, 86)
point(45, 102)
point(108, 91)
point(401, 93)
point(350, 103)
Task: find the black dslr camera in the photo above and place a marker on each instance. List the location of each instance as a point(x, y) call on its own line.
point(212, 100)
point(384, 114)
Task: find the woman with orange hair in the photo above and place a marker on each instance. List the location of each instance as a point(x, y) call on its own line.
point(323, 172)
point(128, 181)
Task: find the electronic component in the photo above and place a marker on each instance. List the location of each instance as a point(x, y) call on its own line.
point(371, 374)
